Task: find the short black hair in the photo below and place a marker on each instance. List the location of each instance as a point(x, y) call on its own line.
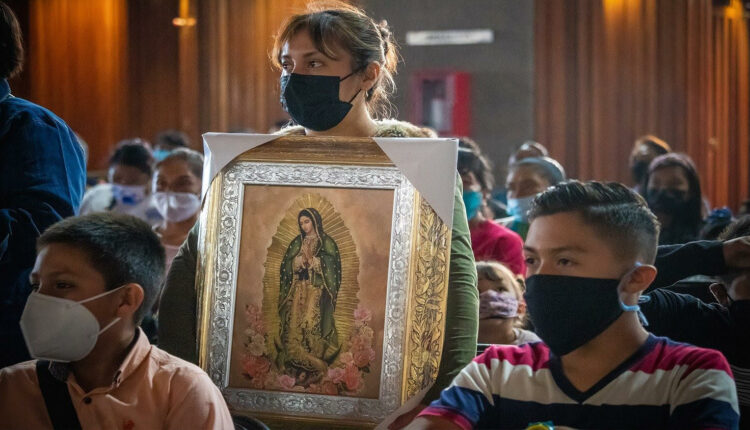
point(133, 153)
point(471, 160)
point(11, 43)
point(172, 139)
point(739, 228)
point(619, 214)
point(123, 248)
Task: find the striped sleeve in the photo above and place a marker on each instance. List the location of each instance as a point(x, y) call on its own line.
point(468, 397)
point(471, 397)
point(706, 397)
point(742, 380)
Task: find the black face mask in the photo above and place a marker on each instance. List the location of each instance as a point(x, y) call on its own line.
point(313, 100)
point(667, 201)
point(569, 311)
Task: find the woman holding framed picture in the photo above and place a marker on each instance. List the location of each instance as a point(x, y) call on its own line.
point(337, 68)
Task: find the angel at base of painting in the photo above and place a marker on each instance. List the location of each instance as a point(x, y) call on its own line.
point(310, 281)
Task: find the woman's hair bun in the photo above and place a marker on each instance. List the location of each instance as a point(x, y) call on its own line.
point(385, 34)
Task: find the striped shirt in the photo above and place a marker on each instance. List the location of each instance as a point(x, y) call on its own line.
point(664, 385)
point(742, 380)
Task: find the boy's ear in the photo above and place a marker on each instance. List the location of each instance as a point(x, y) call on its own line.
point(130, 300)
point(720, 293)
point(639, 279)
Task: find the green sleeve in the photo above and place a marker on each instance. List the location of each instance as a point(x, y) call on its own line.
point(462, 313)
point(177, 310)
point(330, 262)
point(287, 269)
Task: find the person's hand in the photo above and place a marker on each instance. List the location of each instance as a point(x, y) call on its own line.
point(737, 253)
point(404, 420)
point(738, 288)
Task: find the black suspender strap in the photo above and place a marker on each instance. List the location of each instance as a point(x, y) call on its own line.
point(57, 399)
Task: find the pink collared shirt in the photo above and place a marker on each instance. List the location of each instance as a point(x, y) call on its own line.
point(151, 390)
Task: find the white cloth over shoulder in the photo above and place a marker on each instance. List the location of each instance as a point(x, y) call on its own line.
point(428, 163)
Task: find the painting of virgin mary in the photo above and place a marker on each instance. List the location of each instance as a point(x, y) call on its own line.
point(310, 278)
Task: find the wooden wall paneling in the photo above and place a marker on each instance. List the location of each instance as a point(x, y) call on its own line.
point(239, 88)
point(79, 67)
point(672, 68)
point(741, 149)
point(580, 106)
point(213, 58)
point(154, 89)
point(188, 76)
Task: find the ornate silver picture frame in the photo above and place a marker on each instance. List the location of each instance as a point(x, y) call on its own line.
point(323, 282)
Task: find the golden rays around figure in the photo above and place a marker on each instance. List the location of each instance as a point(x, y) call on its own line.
point(288, 229)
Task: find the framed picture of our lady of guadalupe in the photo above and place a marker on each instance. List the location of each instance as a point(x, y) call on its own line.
point(323, 275)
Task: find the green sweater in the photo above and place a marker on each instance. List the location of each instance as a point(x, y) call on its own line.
point(178, 308)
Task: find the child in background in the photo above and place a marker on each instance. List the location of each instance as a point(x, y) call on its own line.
point(95, 276)
point(597, 367)
point(168, 141)
point(129, 188)
point(502, 310)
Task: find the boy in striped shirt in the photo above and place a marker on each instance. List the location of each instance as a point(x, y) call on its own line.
point(590, 251)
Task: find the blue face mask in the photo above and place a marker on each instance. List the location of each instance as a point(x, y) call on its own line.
point(472, 201)
point(161, 154)
point(518, 208)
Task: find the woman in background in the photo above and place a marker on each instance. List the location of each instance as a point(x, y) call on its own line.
point(177, 196)
point(526, 179)
point(489, 240)
point(673, 192)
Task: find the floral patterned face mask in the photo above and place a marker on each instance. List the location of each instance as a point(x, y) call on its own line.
point(494, 304)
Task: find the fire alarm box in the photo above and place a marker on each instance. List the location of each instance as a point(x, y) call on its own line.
point(440, 100)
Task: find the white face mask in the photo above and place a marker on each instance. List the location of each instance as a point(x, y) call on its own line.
point(128, 195)
point(177, 207)
point(58, 329)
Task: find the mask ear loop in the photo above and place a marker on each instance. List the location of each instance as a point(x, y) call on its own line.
point(102, 295)
point(355, 96)
point(347, 77)
point(636, 308)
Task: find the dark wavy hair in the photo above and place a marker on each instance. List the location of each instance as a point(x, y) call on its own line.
point(11, 43)
point(471, 160)
point(335, 22)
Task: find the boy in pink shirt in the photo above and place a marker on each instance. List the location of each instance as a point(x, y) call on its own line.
point(94, 278)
